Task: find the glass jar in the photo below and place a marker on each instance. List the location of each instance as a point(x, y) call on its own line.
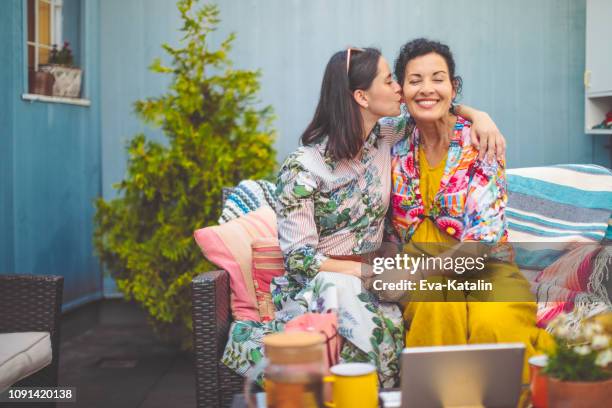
point(293, 370)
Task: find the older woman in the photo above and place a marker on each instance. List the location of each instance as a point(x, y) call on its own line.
point(444, 194)
point(333, 194)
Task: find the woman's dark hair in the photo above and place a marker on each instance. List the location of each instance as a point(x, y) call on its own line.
point(422, 46)
point(337, 115)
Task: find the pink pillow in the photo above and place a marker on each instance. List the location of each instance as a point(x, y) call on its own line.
point(267, 264)
point(229, 247)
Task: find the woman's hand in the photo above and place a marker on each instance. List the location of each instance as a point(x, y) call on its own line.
point(357, 269)
point(487, 138)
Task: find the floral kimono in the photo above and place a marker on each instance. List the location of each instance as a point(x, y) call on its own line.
point(330, 208)
point(469, 205)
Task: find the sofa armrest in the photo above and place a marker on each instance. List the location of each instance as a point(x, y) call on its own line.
point(33, 303)
point(211, 315)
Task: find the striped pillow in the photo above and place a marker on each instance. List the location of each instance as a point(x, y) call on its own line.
point(247, 196)
point(556, 204)
point(267, 264)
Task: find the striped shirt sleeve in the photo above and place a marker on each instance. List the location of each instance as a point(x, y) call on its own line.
point(297, 231)
point(393, 128)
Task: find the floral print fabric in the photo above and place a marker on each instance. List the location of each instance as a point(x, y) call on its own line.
point(470, 203)
point(373, 331)
point(327, 208)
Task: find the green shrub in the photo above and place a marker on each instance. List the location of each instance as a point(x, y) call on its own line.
point(217, 135)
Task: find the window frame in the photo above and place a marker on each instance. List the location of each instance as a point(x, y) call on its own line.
point(83, 101)
point(55, 23)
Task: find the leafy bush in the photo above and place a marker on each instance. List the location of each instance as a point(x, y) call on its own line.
point(217, 135)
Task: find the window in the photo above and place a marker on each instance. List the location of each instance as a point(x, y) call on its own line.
point(44, 30)
point(52, 39)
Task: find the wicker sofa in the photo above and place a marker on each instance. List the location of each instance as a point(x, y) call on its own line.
point(216, 384)
point(32, 303)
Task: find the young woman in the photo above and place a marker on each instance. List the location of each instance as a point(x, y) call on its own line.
point(333, 195)
point(444, 194)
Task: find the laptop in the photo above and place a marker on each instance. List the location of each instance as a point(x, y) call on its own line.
point(475, 375)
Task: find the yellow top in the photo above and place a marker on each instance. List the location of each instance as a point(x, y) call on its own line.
point(429, 184)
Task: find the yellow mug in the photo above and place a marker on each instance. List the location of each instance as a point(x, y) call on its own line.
point(353, 385)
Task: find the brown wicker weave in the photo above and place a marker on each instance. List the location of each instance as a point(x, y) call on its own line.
point(215, 383)
point(33, 303)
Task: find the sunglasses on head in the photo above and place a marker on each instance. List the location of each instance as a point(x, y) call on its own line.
point(350, 50)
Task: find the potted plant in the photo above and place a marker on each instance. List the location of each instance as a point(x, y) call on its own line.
point(579, 369)
point(40, 82)
point(67, 77)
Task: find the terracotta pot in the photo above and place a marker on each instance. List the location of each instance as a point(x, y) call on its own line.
point(40, 83)
point(539, 382)
point(578, 394)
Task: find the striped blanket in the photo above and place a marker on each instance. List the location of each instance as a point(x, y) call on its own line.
point(559, 203)
point(557, 218)
point(574, 284)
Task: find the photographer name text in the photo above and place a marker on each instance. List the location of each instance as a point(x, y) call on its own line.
point(425, 285)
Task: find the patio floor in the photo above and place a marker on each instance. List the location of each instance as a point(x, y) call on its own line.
point(114, 360)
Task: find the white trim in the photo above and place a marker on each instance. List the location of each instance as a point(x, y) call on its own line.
point(39, 45)
point(51, 22)
point(599, 94)
point(598, 131)
point(55, 99)
point(36, 35)
point(57, 23)
point(55, 28)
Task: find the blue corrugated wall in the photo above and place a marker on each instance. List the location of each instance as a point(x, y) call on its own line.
point(522, 61)
point(51, 165)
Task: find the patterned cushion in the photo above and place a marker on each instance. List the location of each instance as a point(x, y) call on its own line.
point(556, 204)
point(247, 196)
point(267, 264)
point(229, 247)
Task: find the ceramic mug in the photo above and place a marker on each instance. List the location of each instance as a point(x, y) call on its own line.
point(353, 385)
point(538, 385)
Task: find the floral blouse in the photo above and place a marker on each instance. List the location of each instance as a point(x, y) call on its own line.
point(328, 208)
point(469, 205)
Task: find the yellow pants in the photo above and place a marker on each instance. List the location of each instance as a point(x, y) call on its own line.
point(471, 318)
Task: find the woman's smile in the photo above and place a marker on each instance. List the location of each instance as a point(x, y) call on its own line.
point(427, 103)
